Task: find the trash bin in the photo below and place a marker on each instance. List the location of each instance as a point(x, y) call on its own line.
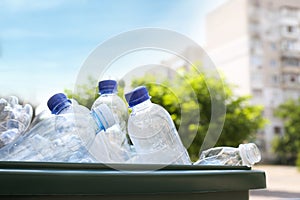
point(31, 180)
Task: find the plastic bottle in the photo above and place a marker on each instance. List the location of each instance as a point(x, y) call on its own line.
point(108, 95)
point(64, 137)
point(153, 132)
point(14, 120)
point(99, 147)
point(41, 113)
point(117, 134)
point(244, 155)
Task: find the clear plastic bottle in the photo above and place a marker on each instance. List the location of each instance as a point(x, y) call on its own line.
point(153, 132)
point(244, 155)
point(117, 134)
point(14, 120)
point(108, 95)
point(59, 104)
point(64, 137)
point(39, 117)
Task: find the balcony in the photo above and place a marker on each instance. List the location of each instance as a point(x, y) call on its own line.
point(290, 53)
point(290, 69)
point(291, 32)
point(291, 86)
point(290, 48)
point(291, 81)
point(291, 35)
point(290, 65)
point(290, 21)
point(289, 12)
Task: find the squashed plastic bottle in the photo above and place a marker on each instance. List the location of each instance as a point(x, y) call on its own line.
point(108, 95)
point(119, 147)
point(41, 113)
point(14, 120)
point(244, 155)
point(153, 132)
point(64, 137)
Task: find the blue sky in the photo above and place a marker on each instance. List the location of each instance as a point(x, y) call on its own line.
point(44, 43)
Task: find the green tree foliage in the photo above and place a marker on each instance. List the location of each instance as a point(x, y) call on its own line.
point(183, 96)
point(287, 146)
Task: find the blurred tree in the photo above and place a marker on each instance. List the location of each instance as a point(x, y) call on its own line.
point(121, 86)
point(86, 94)
point(287, 146)
point(183, 96)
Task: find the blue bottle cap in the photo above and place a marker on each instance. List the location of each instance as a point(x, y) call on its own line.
point(108, 86)
point(58, 102)
point(137, 96)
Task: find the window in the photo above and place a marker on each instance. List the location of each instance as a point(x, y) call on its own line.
point(293, 79)
point(257, 92)
point(273, 46)
point(290, 79)
point(255, 3)
point(277, 130)
point(291, 29)
point(256, 46)
point(291, 61)
point(256, 61)
point(273, 63)
point(275, 79)
point(288, 45)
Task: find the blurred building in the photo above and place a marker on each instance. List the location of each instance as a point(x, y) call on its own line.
point(256, 44)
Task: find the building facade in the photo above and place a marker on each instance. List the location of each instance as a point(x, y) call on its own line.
point(256, 44)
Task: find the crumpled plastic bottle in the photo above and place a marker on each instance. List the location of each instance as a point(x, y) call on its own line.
point(118, 145)
point(14, 120)
point(244, 155)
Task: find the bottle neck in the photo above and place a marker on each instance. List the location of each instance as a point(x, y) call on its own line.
point(108, 93)
point(62, 108)
point(141, 106)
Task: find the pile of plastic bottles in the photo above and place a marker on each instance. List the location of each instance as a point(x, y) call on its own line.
point(14, 119)
point(104, 134)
